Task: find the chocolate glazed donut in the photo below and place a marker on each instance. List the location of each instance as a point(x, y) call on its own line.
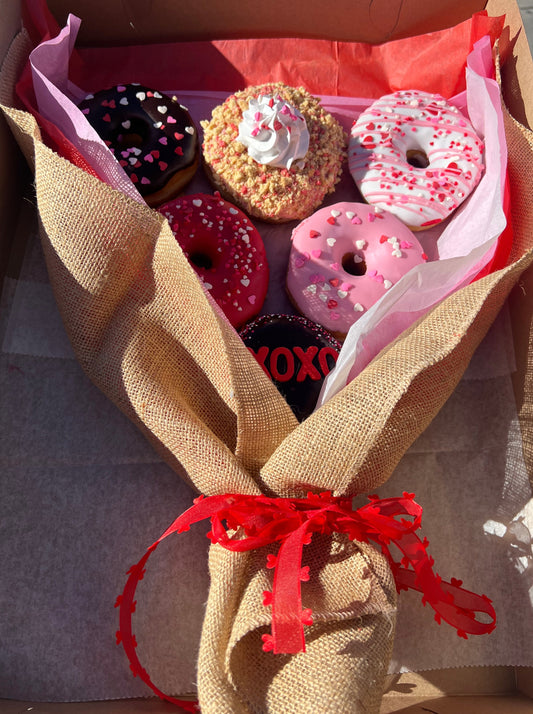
point(152, 136)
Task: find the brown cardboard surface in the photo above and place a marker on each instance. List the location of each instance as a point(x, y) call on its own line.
point(374, 21)
point(12, 166)
point(513, 704)
point(116, 21)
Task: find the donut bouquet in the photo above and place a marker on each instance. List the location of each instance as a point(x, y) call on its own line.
point(282, 327)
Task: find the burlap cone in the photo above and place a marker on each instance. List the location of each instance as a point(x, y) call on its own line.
point(146, 333)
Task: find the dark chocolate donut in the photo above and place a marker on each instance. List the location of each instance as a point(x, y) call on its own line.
point(152, 136)
point(296, 354)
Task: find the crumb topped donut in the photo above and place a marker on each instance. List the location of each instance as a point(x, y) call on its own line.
point(274, 151)
point(225, 250)
point(415, 155)
point(151, 135)
point(344, 258)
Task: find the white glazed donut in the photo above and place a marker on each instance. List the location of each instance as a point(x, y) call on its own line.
point(415, 155)
point(344, 258)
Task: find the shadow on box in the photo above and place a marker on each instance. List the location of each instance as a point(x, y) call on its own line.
point(499, 689)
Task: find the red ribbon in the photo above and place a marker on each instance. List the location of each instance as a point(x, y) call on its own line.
point(256, 521)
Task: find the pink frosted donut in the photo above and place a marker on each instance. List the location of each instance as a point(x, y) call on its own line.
point(344, 258)
point(415, 155)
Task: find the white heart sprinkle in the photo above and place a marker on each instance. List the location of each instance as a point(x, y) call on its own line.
point(135, 150)
point(360, 244)
point(90, 96)
point(311, 288)
point(357, 259)
point(387, 284)
point(335, 213)
point(342, 294)
point(350, 215)
point(197, 202)
point(331, 241)
point(126, 124)
point(158, 124)
point(141, 96)
point(189, 129)
point(157, 95)
point(234, 211)
point(245, 282)
point(397, 253)
point(132, 160)
point(162, 109)
point(323, 297)
point(358, 307)
point(208, 286)
point(124, 101)
point(326, 287)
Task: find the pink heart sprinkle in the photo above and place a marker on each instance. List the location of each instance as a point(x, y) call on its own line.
point(148, 158)
point(405, 244)
point(121, 88)
point(334, 315)
point(346, 286)
point(163, 140)
point(85, 111)
point(171, 120)
point(125, 154)
point(372, 273)
point(356, 220)
point(371, 217)
point(145, 180)
point(335, 266)
point(316, 278)
point(251, 299)
point(316, 253)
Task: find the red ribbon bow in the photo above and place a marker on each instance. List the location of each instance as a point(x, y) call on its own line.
point(258, 521)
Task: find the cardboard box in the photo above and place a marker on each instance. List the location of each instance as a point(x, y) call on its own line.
point(501, 689)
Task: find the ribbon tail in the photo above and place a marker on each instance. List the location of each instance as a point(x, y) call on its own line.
point(126, 638)
point(455, 605)
point(287, 626)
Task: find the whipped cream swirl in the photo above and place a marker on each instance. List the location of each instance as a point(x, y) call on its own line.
point(274, 132)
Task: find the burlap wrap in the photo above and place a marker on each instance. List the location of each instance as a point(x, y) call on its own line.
point(147, 335)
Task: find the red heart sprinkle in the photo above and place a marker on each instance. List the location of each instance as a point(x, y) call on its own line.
point(384, 239)
point(106, 117)
point(313, 234)
point(332, 304)
point(178, 136)
point(163, 165)
point(331, 221)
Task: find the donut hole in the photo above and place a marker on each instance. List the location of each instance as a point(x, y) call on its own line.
point(134, 135)
point(201, 260)
point(417, 158)
point(353, 264)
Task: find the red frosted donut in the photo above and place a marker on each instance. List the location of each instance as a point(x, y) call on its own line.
point(226, 251)
point(344, 258)
point(151, 135)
